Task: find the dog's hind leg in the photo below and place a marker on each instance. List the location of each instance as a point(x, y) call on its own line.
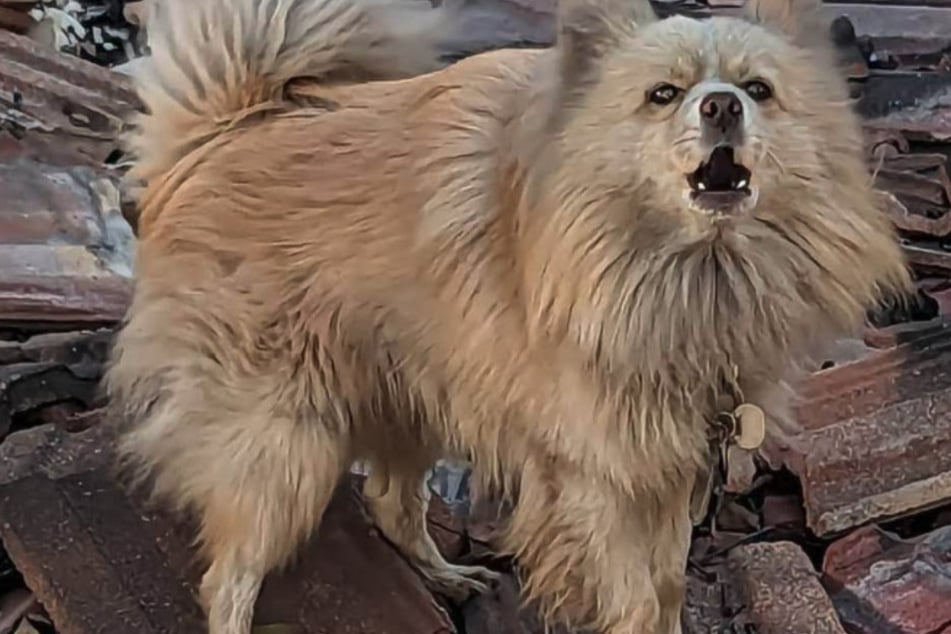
point(398, 498)
point(270, 491)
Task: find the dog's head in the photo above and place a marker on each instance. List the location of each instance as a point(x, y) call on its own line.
point(715, 118)
point(703, 177)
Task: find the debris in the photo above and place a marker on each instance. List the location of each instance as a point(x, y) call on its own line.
point(16, 17)
point(916, 103)
point(784, 511)
point(95, 30)
point(66, 250)
point(13, 608)
point(67, 111)
point(500, 612)
point(781, 591)
point(50, 377)
point(878, 439)
point(882, 584)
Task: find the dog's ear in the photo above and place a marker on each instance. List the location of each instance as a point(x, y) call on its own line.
point(800, 20)
point(589, 28)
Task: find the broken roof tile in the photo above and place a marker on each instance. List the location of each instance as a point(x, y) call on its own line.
point(879, 466)
point(781, 590)
point(46, 93)
point(499, 611)
point(50, 374)
point(99, 561)
point(882, 584)
point(916, 103)
point(898, 363)
point(66, 251)
point(878, 431)
point(15, 17)
point(894, 20)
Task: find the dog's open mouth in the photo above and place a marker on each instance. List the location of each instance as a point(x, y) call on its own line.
point(719, 184)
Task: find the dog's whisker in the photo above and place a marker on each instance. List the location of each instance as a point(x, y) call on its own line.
point(685, 140)
point(775, 161)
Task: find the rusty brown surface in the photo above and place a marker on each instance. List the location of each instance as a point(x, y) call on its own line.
point(893, 365)
point(50, 95)
point(895, 20)
point(499, 611)
point(879, 466)
point(915, 103)
point(878, 431)
point(883, 584)
point(101, 562)
point(781, 590)
point(15, 18)
point(50, 377)
point(66, 251)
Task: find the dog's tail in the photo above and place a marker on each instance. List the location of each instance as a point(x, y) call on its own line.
point(214, 62)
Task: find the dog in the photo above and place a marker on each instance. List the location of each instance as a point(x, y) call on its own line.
point(560, 264)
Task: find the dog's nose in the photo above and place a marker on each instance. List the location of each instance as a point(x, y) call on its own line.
point(722, 111)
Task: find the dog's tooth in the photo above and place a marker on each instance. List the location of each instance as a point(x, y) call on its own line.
point(743, 183)
point(701, 186)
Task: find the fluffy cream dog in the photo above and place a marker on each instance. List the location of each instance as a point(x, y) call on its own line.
point(559, 264)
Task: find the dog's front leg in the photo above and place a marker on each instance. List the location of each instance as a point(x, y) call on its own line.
point(598, 558)
point(670, 535)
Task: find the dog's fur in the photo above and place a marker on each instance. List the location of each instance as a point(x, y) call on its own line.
point(494, 261)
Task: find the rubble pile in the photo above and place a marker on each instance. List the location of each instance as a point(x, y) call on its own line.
point(847, 532)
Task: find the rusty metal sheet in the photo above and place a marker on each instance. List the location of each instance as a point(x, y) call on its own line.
point(491, 24)
point(66, 251)
point(883, 584)
point(101, 562)
point(47, 93)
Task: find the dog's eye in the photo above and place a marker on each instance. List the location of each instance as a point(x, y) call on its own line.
point(758, 90)
point(663, 94)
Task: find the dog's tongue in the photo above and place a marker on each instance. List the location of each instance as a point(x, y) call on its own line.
point(719, 172)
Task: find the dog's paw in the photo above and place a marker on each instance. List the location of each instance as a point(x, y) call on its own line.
point(460, 583)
